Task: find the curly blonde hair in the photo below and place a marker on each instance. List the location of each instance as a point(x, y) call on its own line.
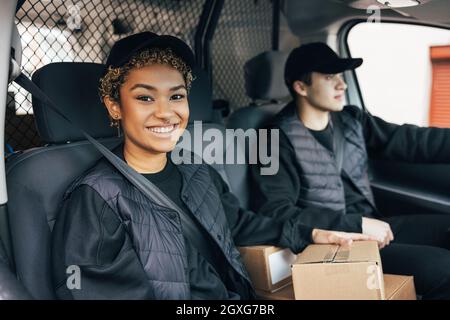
point(114, 78)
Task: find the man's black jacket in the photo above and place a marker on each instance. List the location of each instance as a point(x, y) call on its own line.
point(277, 195)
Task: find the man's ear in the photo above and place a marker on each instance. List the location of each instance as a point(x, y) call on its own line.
point(300, 88)
point(113, 108)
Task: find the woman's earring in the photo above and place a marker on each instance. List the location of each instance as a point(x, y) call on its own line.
point(116, 123)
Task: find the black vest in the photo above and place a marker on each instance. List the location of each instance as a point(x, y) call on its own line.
point(156, 231)
point(320, 182)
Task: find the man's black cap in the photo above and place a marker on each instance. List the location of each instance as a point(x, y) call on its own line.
point(125, 48)
point(316, 57)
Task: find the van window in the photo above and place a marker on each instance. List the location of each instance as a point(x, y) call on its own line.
point(399, 80)
point(41, 45)
point(84, 31)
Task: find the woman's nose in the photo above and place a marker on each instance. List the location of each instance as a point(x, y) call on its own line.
point(163, 110)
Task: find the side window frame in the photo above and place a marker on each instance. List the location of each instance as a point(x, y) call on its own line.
point(354, 92)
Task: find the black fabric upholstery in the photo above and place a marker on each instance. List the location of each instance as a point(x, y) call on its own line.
point(38, 178)
point(254, 117)
point(61, 82)
point(263, 82)
point(10, 287)
point(251, 117)
point(200, 98)
point(36, 182)
point(264, 76)
point(74, 88)
point(201, 109)
point(41, 176)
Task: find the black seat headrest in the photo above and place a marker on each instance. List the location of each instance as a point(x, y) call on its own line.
point(264, 76)
point(73, 87)
point(200, 97)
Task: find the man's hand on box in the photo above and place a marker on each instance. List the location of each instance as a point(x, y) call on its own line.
point(344, 239)
point(379, 230)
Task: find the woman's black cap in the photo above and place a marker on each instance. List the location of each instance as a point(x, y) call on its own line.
point(316, 57)
point(125, 48)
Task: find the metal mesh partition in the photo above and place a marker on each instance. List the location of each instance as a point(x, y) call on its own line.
point(83, 31)
point(243, 31)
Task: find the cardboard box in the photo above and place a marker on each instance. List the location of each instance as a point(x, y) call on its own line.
point(286, 293)
point(399, 287)
point(269, 267)
point(331, 272)
point(396, 288)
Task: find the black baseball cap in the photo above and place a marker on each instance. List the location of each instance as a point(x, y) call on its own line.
point(124, 49)
point(316, 57)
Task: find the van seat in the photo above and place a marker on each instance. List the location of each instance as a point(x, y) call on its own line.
point(264, 84)
point(37, 178)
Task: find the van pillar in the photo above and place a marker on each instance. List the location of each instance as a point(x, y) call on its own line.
point(276, 25)
point(7, 12)
point(205, 32)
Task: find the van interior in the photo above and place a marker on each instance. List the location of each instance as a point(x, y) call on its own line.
point(240, 49)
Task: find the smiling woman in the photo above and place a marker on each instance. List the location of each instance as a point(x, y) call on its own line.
point(148, 95)
point(127, 245)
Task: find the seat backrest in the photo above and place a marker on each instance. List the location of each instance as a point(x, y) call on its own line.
point(38, 178)
point(264, 84)
point(10, 287)
point(201, 109)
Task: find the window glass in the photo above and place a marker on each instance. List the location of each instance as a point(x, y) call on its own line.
point(396, 76)
point(42, 45)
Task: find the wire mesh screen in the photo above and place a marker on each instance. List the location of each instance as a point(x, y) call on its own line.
point(244, 30)
point(84, 31)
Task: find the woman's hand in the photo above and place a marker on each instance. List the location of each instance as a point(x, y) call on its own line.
point(344, 239)
point(378, 229)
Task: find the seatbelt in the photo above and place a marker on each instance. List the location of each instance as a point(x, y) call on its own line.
point(190, 228)
point(338, 141)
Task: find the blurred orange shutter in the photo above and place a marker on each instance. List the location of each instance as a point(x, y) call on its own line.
point(440, 92)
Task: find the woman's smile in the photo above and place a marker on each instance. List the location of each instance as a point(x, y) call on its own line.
point(164, 131)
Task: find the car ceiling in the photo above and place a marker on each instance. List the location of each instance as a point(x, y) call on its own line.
point(309, 16)
point(312, 16)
